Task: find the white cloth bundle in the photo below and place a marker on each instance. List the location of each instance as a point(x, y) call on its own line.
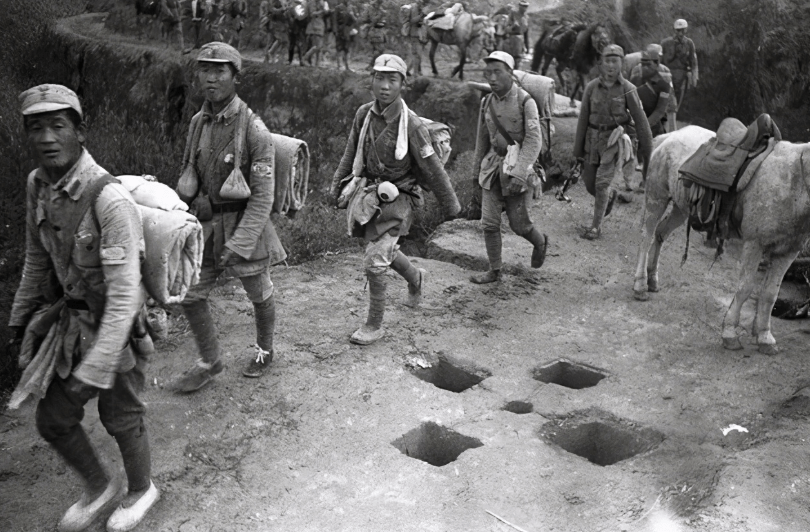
point(173, 238)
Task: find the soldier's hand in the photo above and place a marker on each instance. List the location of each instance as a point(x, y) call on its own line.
point(516, 186)
point(694, 80)
point(228, 258)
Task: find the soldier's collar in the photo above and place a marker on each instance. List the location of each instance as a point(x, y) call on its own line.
point(618, 81)
point(73, 182)
point(511, 92)
point(227, 112)
point(390, 113)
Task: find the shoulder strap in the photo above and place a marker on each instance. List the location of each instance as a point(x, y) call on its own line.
point(240, 133)
point(505, 134)
point(86, 201)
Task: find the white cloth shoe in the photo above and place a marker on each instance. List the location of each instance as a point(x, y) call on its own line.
point(123, 519)
point(82, 514)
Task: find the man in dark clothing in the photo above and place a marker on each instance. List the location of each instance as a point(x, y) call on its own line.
point(653, 91)
point(679, 55)
point(389, 158)
point(609, 102)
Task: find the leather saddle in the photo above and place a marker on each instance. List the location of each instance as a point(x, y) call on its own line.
point(717, 167)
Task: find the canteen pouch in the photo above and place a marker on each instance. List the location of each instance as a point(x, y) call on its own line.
point(189, 184)
point(235, 188)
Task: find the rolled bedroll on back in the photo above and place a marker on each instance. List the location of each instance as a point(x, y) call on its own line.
point(292, 174)
point(173, 238)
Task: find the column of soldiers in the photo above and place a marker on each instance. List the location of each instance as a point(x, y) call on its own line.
point(388, 165)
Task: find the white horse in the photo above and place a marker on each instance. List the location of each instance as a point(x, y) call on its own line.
point(772, 212)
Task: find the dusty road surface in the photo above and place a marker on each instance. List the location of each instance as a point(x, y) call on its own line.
point(553, 400)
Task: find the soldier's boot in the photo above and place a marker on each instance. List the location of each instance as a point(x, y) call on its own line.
point(372, 330)
point(492, 242)
point(415, 277)
point(100, 492)
point(210, 363)
point(265, 313)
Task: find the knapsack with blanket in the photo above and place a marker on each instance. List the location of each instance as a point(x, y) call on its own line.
point(173, 237)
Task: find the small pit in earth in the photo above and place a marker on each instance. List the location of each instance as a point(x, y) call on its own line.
point(435, 444)
point(569, 374)
point(451, 375)
point(518, 407)
point(604, 442)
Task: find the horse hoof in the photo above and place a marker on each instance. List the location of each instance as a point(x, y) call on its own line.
point(732, 344)
point(641, 295)
point(768, 349)
point(652, 286)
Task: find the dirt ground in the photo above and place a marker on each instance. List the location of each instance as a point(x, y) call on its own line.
point(468, 405)
point(315, 444)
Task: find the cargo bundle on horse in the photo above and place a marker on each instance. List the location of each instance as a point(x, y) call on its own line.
point(768, 208)
point(454, 27)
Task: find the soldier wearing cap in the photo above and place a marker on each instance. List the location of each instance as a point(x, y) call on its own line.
point(609, 102)
point(316, 29)
point(653, 90)
point(508, 143)
point(388, 161)
point(416, 36)
point(80, 301)
point(517, 26)
point(680, 56)
point(228, 144)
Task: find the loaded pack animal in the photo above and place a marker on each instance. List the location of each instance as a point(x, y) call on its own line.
point(588, 49)
point(769, 211)
point(143, 10)
point(468, 30)
point(556, 42)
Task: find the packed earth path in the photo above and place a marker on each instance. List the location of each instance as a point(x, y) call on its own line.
point(553, 401)
point(456, 412)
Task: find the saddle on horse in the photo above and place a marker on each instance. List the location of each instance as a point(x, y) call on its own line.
point(721, 168)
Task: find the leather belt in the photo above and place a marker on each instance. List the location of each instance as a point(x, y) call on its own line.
point(232, 206)
point(76, 304)
point(606, 127)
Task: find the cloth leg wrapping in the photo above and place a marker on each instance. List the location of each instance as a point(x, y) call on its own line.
point(134, 446)
point(403, 267)
point(602, 183)
point(376, 291)
point(198, 314)
point(59, 415)
point(265, 322)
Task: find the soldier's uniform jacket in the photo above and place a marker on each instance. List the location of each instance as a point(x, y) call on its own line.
point(517, 113)
point(170, 11)
point(421, 168)
point(416, 18)
point(603, 109)
point(210, 148)
point(678, 54)
point(102, 275)
point(518, 24)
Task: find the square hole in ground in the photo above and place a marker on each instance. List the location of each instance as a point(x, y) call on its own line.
point(452, 375)
point(435, 444)
point(601, 439)
point(569, 374)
